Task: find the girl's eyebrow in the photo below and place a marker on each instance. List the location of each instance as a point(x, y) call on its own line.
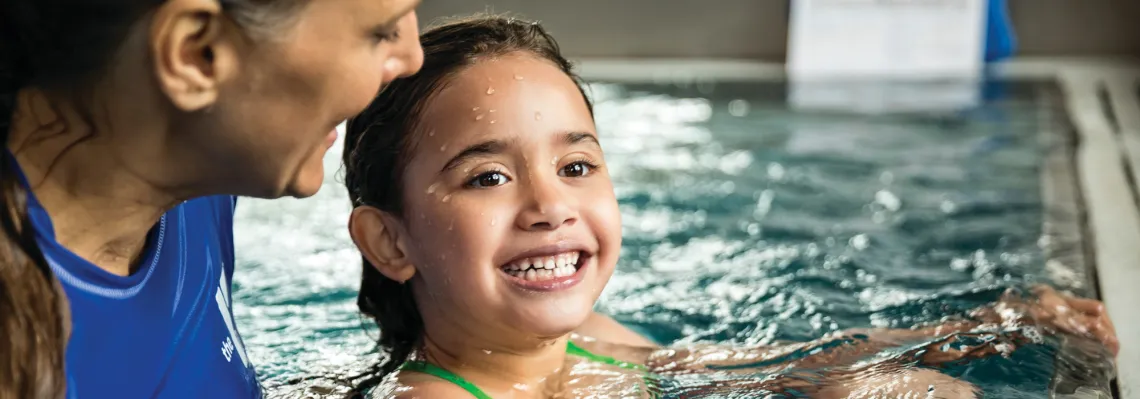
point(494, 147)
point(489, 147)
point(571, 138)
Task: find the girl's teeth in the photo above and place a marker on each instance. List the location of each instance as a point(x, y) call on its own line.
point(538, 269)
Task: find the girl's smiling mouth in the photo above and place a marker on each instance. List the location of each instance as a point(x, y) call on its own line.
point(547, 269)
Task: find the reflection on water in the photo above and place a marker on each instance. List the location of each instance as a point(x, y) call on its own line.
point(748, 224)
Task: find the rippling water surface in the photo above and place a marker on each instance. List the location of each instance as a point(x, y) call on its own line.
point(746, 223)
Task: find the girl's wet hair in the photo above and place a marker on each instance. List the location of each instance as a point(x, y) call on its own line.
point(62, 47)
point(380, 141)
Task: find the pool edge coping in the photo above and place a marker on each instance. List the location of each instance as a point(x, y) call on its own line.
point(1108, 155)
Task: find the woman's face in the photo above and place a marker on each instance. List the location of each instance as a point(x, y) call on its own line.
point(512, 222)
point(277, 117)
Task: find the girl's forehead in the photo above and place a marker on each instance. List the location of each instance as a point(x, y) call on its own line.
point(516, 96)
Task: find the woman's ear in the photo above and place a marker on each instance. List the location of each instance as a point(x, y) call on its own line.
point(194, 48)
point(380, 238)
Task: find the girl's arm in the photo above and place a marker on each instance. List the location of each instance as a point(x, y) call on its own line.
point(1056, 312)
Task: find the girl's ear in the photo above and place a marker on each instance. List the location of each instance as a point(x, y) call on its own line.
point(379, 237)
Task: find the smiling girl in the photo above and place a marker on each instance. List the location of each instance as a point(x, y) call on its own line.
point(489, 226)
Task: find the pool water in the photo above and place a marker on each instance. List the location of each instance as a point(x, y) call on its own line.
point(747, 223)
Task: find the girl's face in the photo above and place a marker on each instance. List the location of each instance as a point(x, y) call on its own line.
point(510, 214)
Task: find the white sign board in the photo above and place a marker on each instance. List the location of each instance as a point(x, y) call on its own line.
point(886, 39)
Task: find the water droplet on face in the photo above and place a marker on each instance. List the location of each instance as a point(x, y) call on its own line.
point(518, 77)
point(431, 132)
point(431, 189)
point(479, 117)
point(537, 116)
point(493, 121)
point(554, 161)
point(491, 111)
point(490, 90)
point(487, 351)
point(451, 226)
point(446, 198)
point(443, 147)
point(493, 221)
point(475, 109)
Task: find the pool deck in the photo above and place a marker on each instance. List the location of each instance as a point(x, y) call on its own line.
point(1105, 111)
point(1102, 96)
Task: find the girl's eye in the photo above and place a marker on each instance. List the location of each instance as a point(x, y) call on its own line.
point(577, 169)
point(489, 179)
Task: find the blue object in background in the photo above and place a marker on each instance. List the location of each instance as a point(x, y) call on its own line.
point(1001, 42)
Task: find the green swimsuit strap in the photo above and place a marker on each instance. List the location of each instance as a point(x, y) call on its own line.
point(649, 378)
point(433, 370)
point(573, 349)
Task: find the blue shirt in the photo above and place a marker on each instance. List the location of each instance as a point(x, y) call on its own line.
point(166, 330)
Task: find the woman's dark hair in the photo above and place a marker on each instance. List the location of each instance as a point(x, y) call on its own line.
point(59, 46)
point(380, 140)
